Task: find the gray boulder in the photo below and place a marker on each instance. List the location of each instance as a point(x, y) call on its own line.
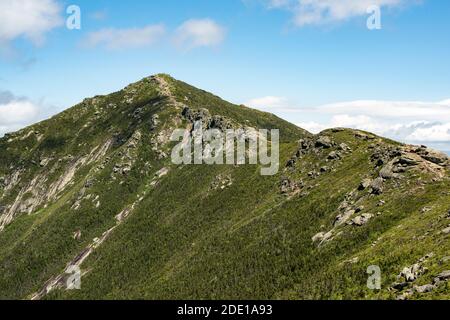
point(343, 217)
point(334, 155)
point(323, 142)
point(425, 288)
point(377, 186)
point(364, 184)
point(362, 219)
point(444, 276)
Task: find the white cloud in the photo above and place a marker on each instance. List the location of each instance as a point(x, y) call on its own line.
point(407, 121)
point(16, 112)
point(199, 33)
point(115, 39)
point(316, 12)
point(191, 34)
point(30, 19)
point(267, 102)
point(434, 133)
point(417, 122)
point(389, 109)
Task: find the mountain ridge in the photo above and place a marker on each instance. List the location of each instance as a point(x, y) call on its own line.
point(85, 188)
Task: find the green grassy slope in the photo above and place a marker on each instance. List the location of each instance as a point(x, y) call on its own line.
point(187, 237)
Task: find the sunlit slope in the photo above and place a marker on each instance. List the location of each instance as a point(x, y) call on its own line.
point(95, 187)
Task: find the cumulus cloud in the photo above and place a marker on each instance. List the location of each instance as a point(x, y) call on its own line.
point(268, 102)
point(408, 121)
point(16, 112)
point(316, 12)
point(30, 19)
point(199, 33)
point(190, 34)
point(115, 39)
point(417, 122)
point(390, 109)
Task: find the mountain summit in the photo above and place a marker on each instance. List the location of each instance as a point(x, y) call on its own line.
point(91, 198)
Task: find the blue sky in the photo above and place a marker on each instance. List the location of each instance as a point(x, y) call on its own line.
point(314, 63)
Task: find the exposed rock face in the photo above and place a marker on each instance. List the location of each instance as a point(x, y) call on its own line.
point(433, 156)
point(323, 142)
point(162, 172)
point(208, 121)
point(322, 237)
point(362, 219)
point(443, 276)
point(344, 217)
point(289, 187)
point(387, 172)
point(334, 156)
point(365, 184)
point(377, 186)
point(425, 288)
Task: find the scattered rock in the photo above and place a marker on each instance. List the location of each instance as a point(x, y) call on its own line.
point(424, 289)
point(407, 161)
point(425, 209)
point(291, 163)
point(400, 285)
point(443, 276)
point(353, 260)
point(365, 184)
point(362, 219)
point(323, 142)
point(381, 203)
point(77, 235)
point(334, 156)
point(221, 182)
point(322, 237)
point(433, 156)
point(344, 147)
point(44, 162)
point(377, 186)
point(162, 172)
point(387, 172)
point(89, 183)
point(208, 121)
point(318, 237)
point(304, 144)
point(154, 122)
point(343, 218)
point(364, 136)
point(289, 187)
point(411, 273)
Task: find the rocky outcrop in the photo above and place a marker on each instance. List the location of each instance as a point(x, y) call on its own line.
point(377, 186)
point(323, 142)
point(289, 187)
point(208, 122)
point(362, 219)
